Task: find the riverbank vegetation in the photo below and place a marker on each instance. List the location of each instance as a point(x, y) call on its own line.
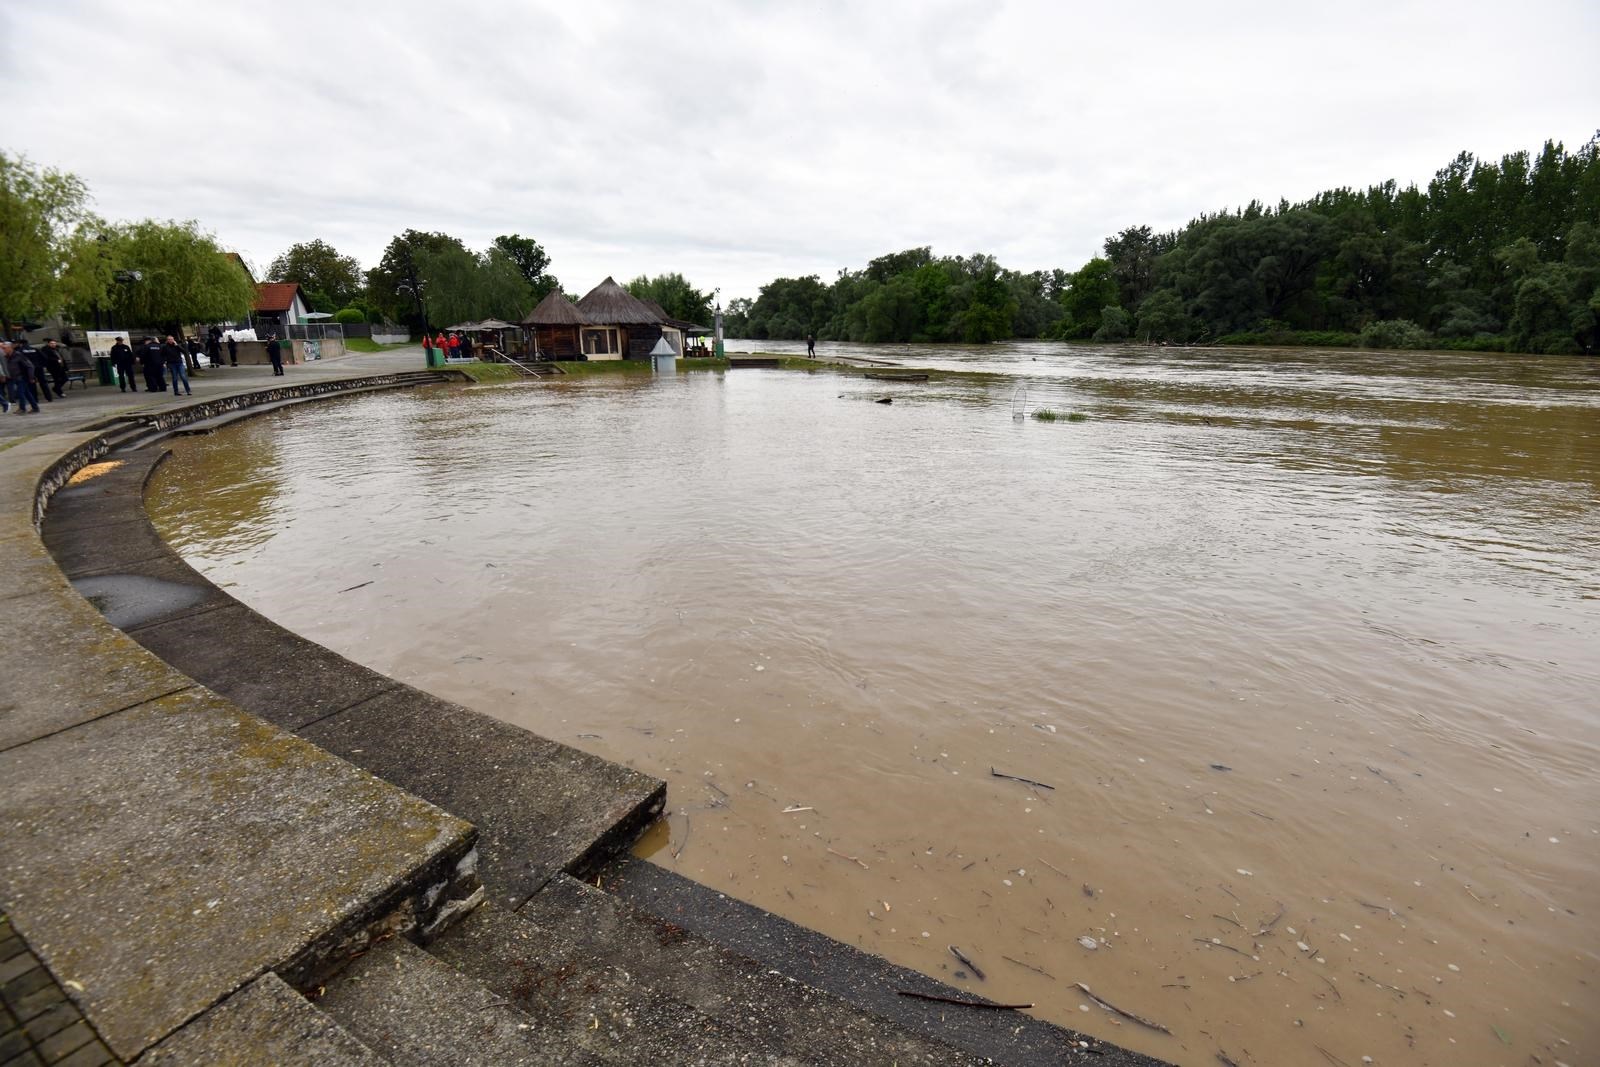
point(1491, 255)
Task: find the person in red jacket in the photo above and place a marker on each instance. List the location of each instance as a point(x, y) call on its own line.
point(455, 346)
point(441, 344)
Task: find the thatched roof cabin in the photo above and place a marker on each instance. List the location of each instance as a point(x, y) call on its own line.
point(555, 326)
point(555, 310)
point(618, 325)
point(613, 305)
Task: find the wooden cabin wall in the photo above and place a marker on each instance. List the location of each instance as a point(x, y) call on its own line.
point(641, 339)
point(558, 343)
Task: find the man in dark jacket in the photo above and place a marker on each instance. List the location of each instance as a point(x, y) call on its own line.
point(173, 354)
point(33, 360)
point(214, 345)
point(20, 368)
point(51, 363)
point(151, 360)
point(233, 350)
point(275, 353)
point(122, 357)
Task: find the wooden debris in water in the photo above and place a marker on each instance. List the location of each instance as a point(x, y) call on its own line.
point(791, 811)
point(1113, 1009)
point(1014, 778)
point(973, 967)
point(353, 588)
point(1267, 926)
point(852, 859)
point(1053, 867)
point(964, 1003)
point(1029, 966)
point(1216, 943)
point(686, 827)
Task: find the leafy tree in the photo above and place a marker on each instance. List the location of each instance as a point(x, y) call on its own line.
point(1088, 291)
point(1394, 333)
point(43, 220)
point(529, 256)
point(177, 274)
point(399, 268)
point(350, 316)
point(502, 287)
point(1113, 324)
point(676, 296)
point(329, 279)
point(1132, 255)
point(1162, 318)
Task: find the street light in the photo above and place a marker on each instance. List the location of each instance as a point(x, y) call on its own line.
point(414, 287)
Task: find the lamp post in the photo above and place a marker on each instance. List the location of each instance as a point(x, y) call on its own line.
point(414, 287)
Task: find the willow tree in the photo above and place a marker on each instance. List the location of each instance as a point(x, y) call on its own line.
point(44, 215)
point(171, 273)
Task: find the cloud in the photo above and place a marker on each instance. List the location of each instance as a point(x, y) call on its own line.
point(739, 141)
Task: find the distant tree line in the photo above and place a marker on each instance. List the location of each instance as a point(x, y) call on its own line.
point(1500, 256)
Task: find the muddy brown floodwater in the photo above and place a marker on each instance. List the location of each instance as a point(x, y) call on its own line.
point(1302, 650)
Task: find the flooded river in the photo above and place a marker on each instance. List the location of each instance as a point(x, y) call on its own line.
point(1264, 701)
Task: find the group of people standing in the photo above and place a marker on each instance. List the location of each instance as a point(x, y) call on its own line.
point(28, 373)
point(453, 345)
point(159, 360)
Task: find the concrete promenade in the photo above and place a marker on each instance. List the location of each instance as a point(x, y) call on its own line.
point(221, 843)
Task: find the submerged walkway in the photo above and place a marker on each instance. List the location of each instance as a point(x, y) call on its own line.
point(204, 818)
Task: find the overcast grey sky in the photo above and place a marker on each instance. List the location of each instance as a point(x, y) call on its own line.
point(737, 142)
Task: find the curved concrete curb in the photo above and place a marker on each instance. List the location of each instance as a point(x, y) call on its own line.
point(161, 846)
point(542, 809)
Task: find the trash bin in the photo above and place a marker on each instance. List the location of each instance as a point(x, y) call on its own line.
point(435, 358)
point(102, 369)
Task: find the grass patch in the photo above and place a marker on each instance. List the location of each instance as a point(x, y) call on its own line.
point(367, 344)
point(486, 372)
point(1046, 415)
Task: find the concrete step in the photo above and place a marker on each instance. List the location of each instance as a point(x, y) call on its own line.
point(417, 1012)
point(217, 422)
point(540, 806)
point(265, 1024)
point(160, 857)
point(579, 959)
point(673, 902)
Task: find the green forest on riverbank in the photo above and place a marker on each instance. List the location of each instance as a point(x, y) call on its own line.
point(1493, 256)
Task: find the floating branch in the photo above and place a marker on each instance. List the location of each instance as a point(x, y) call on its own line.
point(1113, 1009)
point(1029, 966)
point(973, 967)
point(964, 1003)
point(1014, 778)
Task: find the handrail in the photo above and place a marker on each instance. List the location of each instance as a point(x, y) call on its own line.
point(523, 367)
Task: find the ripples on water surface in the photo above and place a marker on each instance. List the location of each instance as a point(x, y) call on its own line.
point(1364, 584)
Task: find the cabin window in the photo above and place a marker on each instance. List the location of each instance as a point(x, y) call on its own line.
point(601, 343)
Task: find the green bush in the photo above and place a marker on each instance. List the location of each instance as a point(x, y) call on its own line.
point(1394, 333)
point(350, 316)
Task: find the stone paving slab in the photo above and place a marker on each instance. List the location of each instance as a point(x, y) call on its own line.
point(160, 858)
point(27, 566)
point(265, 1024)
point(21, 466)
point(463, 1024)
point(865, 981)
point(262, 667)
point(574, 953)
point(60, 630)
point(114, 546)
point(39, 1026)
point(540, 806)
